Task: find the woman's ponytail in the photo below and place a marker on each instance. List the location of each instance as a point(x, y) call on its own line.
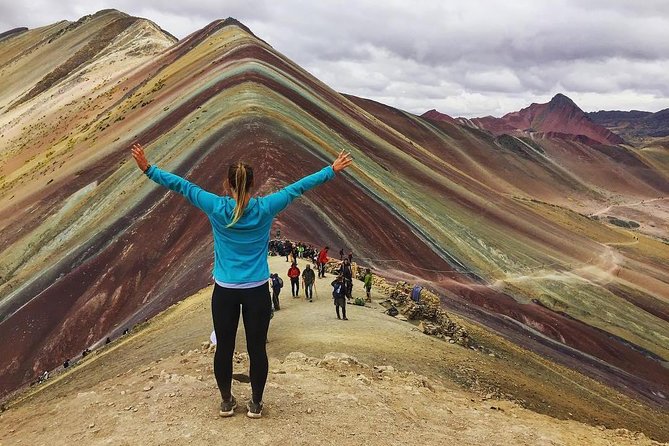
point(240, 177)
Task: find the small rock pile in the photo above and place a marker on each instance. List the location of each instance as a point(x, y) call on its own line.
point(434, 321)
point(333, 266)
point(365, 375)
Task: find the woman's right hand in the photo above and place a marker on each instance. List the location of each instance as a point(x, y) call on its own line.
point(342, 162)
point(138, 154)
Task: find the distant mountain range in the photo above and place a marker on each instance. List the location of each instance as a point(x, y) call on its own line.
point(562, 118)
point(634, 126)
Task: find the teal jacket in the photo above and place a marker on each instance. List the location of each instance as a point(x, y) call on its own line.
point(240, 252)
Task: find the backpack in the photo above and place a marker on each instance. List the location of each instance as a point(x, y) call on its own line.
point(279, 280)
point(415, 293)
point(339, 290)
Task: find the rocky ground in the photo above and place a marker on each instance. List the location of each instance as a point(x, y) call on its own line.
point(368, 380)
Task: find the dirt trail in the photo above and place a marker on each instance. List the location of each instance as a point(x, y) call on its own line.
point(636, 203)
point(156, 387)
point(601, 268)
point(650, 214)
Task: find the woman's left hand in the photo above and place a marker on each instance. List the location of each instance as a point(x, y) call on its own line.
point(138, 154)
point(342, 162)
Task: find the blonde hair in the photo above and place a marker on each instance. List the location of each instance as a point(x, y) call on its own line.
point(240, 178)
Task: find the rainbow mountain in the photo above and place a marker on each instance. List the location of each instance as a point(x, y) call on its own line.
point(555, 243)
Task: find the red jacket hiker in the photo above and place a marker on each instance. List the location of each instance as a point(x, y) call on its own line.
point(321, 261)
point(323, 256)
point(294, 272)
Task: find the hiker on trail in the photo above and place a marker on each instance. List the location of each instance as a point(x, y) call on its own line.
point(322, 260)
point(241, 227)
point(287, 249)
point(271, 248)
point(294, 274)
point(339, 295)
point(308, 279)
point(347, 272)
point(277, 284)
point(341, 254)
point(310, 253)
point(368, 284)
point(350, 257)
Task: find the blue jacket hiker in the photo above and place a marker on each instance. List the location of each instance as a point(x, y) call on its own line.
point(241, 226)
point(276, 284)
point(339, 295)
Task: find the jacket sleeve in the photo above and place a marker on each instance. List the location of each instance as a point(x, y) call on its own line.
point(279, 200)
point(198, 197)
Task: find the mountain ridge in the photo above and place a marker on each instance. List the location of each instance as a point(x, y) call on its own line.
point(559, 116)
point(157, 382)
point(12, 33)
point(636, 126)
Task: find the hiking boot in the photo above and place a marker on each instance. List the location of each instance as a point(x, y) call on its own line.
point(228, 407)
point(345, 318)
point(254, 409)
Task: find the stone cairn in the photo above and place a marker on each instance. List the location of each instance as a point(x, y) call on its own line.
point(433, 320)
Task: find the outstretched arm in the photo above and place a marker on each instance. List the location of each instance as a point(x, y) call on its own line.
point(279, 200)
point(206, 201)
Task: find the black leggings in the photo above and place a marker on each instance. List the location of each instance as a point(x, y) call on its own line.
point(256, 308)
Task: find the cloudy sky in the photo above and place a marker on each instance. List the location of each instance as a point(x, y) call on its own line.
point(465, 58)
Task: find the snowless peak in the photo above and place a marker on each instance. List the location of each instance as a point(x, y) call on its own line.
point(562, 101)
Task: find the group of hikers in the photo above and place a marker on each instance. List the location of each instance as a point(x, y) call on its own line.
point(291, 251)
point(342, 286)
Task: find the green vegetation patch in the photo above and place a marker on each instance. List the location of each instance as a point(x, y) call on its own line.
point(519, 146)
point(631, 224)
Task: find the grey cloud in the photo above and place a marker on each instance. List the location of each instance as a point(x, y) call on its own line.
point(31, 14)
point(476, 57)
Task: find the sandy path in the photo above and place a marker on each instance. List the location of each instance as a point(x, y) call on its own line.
point(636, 203)
point(601, 268)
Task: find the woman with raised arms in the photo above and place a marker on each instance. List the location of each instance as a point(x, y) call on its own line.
point(241, 227)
